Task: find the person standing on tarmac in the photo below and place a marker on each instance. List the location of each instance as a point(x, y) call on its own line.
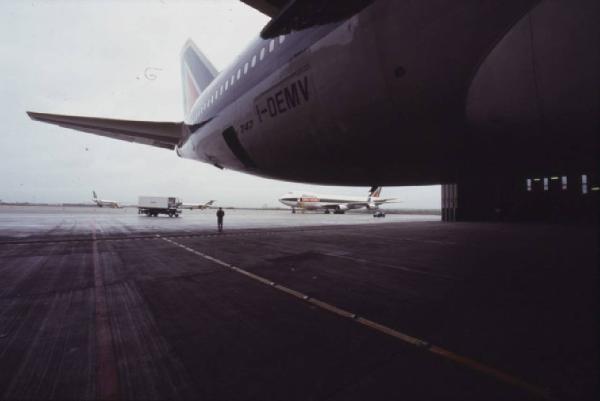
point(220, 214)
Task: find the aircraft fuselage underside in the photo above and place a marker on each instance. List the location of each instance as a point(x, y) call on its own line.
point(364, 103)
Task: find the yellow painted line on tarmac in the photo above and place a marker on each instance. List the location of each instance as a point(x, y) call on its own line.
point(253, 276)
point(393, 333)
point(291, 292)
point(414, 341)
point(331, 308)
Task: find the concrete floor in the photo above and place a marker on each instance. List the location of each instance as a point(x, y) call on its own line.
point(106, 304)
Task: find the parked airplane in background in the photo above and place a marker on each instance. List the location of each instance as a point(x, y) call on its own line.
point(103, 202)
point(115, 204)
point(388, 92)
point(192, 206)
point(338, 204)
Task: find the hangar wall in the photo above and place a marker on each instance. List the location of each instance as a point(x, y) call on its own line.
point(530, 148)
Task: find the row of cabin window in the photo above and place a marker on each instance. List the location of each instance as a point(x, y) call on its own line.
point(236, 76)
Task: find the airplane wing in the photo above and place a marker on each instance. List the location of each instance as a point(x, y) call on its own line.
point(358, 205)
point(345, 206)
point(388, 200)
point(293, 15)
point(161, 134)
point(331, 206)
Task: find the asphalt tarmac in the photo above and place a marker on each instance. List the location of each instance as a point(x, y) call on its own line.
point(51, 221)
point(106, 304)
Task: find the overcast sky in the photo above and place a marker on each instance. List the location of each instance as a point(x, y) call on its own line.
point(121, 60)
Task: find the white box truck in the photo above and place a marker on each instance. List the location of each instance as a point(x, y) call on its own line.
point(155, 205)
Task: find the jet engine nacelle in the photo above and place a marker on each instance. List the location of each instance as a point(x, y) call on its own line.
point(343, 207)
point(371, 206)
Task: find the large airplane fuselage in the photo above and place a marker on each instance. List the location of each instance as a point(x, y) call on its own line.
point(379, 98)
point(355, 102)
point(318, 201)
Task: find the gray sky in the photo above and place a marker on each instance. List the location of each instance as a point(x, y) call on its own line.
point(121, 60)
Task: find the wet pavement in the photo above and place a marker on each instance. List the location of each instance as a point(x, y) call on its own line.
point(106, 304)
point(52, 221)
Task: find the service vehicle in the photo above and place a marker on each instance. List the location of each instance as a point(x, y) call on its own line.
point(155, 205)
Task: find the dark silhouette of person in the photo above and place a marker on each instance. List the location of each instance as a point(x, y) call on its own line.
point(220, 214)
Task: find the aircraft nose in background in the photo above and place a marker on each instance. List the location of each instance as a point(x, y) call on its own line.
point(286, 200)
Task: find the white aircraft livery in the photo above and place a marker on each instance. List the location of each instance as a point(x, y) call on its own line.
point(361, 92)
point(336, 203)
point(192, 206)
point(104, 202)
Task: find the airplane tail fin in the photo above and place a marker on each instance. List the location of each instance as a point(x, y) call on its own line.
point(197, 72)
point(375, 192)
point(95, 196)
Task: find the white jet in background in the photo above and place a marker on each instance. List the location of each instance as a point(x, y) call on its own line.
point(192, 206)
point(336, 203)
point(104, 202)
point(179, 205)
